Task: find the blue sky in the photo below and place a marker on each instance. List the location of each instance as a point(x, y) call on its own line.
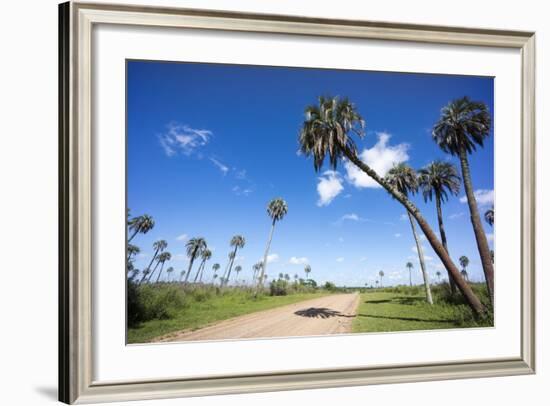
point(210, 145)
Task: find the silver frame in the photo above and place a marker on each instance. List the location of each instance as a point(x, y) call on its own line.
point(76, 21)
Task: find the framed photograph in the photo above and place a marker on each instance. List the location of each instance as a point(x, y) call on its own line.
point(262, 202)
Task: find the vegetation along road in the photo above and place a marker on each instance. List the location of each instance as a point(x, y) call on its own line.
point(325, 315)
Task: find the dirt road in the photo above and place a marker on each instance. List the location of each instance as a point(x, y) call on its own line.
point(326, 315)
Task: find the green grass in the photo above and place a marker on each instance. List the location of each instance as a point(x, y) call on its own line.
point(202, 307)
point(406, 309)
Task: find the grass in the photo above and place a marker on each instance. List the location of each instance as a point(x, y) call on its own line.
point(194, 309)
point(405, 309)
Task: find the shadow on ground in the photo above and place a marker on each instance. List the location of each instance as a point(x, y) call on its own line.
point(405, 300)
point(374, 316)
point(320, 312)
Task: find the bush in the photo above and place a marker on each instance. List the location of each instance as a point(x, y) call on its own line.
point(148, 302)
point(278, 287)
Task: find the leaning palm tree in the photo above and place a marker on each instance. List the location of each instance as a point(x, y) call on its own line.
point(132, 250)
point(215, 268)
point(256, 268)
point(403, 178)
point(307, 270)
point(490, 216)
point(237, 241)
point(165, 256)
point(327, 131)
point(381, 274)
point(158, 246)
point(206, 254)
point(437, 181)
point(410, 266)
point(195, 246)
point(464, 125)
point(231, 258)
point(276, 210)
point(464, 262)
point(141, 224)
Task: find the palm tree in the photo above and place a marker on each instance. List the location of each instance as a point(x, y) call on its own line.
point(195, 246)
point(165, 256)
point(307, 270)
point(215, 268)
point(141, 224)
point(403, 178)
point(409, 265)
point(490, 216)
point(287, 277)
point(381, 274)
point(463, 125)
point(169, 272)
point(438, 274)
point(206, 254)
point(132, 250)
point(231, 257)
point(464, 262)
point(276, 210)
point(377, 283)
point(281, 276)
point(437, 181)
point(238, 269)
point(158, 246)
point(237, 241)
point(328, 130)
point(256, 268)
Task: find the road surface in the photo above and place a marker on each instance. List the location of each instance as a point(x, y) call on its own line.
point(326, 315)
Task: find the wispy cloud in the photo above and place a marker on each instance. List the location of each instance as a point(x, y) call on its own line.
point(397, 235)
point(329, 186)
point(181, 138)
point(381, 157)
point(455, 216)
point(270, 258)
point(484, 197)
point(298, 260)
point(240, 191)
point(182, 237)
point(340, 259)
point(223, 168)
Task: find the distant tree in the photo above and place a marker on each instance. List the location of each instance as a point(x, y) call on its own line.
point(206, 254)
point(276, 210)
point(195, 246)
point(464, 262)
point(307, 270)
point(165, 256)
point(132, 251)
point(215, 268)
point(409, 265)
point(381, 274)
point(237, 242)
point(169, 271)
point(438, 274)
point(158, 246)
point(238, 269)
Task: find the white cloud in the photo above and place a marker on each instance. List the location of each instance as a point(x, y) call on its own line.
point(362, 259)
point(270, 258)
point(241, 175)
point(340, 259)
point(397, 235)
point(180, 138)
point(223, 168)
point(182, 237)
point(395, 275)
point(329, 186)
point(298, 260)
point(456, 215)
point(381, 157)
point(484, 197)
point(340, 239)
point(428, 258)
point(350, 217)
point(403, 217)
point(239, 191)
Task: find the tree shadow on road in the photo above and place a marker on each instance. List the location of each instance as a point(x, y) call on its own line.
point(407, 318)
point(320, 312)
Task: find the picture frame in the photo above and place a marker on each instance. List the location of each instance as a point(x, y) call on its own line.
point(76, 214)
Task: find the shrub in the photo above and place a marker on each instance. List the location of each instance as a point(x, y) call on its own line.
point(278, 287)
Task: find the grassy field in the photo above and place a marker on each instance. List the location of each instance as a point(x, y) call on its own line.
point(202, 307)
point(406, 309)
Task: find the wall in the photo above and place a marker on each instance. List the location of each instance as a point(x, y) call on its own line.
point(28, 167)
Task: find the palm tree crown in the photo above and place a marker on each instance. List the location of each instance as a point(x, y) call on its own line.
point(326, 129)
point(277, 209)
point(439, 178)
point(463, 125)
point(160, 245)
point(489, 216)
point(464, 261)
point(403, 178)
point(195, 246)
point(237, 241)
point(141, 224)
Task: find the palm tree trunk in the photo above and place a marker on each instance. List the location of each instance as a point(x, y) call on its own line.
point(148, 267)
point(231, 265)
point(422, 263)
point(443, 237)
point(199, 269)
point(470, 297)
point(481, 238)
point(190, 266)
point(133, 235)
point(151, 274)
point(410, 278)
point(160, 272)
point(202, 272)
point(264, 263)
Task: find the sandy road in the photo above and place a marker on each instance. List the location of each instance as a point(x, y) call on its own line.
point(326, 315)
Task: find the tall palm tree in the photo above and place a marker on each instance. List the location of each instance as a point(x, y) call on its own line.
point(381, 274)
point(328, 130)
point(231, 258)
point(206, 254)
point(437, 181)
point(215, 268)
point(403, 178)
point(132, 250)
point(410, 266)
point(464, 262)
point(165, 256)
point(158, 246)
point(256, 268)
point(141, 224)
point(490, 216)
point(464, 124)
point(238, 269)
point(307, 270)
point(169, 271)
point(195, 246)
point(237, 241)
point(438, 274)
point(276, 210)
